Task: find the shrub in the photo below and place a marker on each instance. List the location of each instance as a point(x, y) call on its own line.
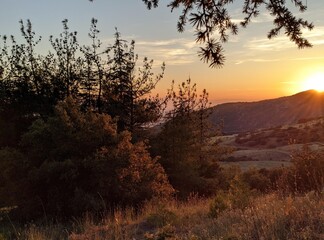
point(237, 197)
point(126, 174)
point(76, 162)
point(308, 170)
point(219, 204)
point(161, 217)
point(257, 179)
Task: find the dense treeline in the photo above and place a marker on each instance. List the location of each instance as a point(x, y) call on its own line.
point(74, 133)
point(65, 123)
point(73, 123)
point(102, 80)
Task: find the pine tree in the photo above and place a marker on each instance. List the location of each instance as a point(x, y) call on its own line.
point(186, 154)
point(68, 64)
point(93, 74)
point(213, 22)
point(127, 90)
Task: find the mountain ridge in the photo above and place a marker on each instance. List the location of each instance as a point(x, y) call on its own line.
point(240, 117)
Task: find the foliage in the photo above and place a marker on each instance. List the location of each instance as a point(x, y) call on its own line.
point(13, 187)
point(105, 80)
point(25, 91)
point(213, 22)
point(161, 217)
point(93, 75)
point(68, 65)
point(219, 205)
point(307, 173)
point(259, 179)
point(133, 175)
point(238, 196)
point(126, 88)
point(183, 142)
point(53, 147)
point(76, 162)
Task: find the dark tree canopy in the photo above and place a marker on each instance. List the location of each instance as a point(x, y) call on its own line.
point(183, 142)
point(213, 22)
point(103, 79)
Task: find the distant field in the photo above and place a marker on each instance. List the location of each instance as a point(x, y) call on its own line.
point(263, 154)
point(273, 147)
point(246, 165)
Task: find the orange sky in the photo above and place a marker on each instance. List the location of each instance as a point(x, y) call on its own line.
point(266, 75)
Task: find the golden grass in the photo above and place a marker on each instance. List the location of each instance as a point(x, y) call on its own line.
point(267, 217)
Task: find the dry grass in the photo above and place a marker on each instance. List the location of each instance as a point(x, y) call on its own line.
point(273, 217)
point(267, 217)
point(41, 232)
point(246, 165)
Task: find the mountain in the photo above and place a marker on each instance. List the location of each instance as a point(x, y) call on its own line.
point(248, 116)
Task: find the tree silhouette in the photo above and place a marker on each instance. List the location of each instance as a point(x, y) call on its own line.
point(93, 77)
point(183, 142)
point(103, 79)
point(213, 23)
point(66, 47)
point(74, 162)
point(127, 88)
point(55, 133)
point(25, 91)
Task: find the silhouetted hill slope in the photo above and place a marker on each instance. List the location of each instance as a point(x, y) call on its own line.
point(248, 116)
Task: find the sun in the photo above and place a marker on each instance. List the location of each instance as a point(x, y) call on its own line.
point(315, 82)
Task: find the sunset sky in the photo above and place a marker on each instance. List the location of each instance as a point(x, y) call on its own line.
point(256, 68)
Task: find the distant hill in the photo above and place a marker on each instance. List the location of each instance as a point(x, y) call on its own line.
point(248, 116)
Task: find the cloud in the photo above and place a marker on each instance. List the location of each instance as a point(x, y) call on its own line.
point(257, 49)
point(277, 59)
point(261, 50)
point(289, 82)
point(159, 43)
point(265, 44)
point(306, 58)
point(262, 18)
point(315, 36)
point(172, 51)
point(257, 60)
point(238, 17)
point(175, 51)
point(282, 42)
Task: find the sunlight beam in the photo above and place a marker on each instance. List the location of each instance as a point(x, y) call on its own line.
point(315, 82)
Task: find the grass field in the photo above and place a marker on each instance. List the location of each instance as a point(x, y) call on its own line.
point(246, 165)
point(265, 217)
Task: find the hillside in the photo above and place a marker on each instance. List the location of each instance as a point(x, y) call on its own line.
point(273, 147)
point(248, 116)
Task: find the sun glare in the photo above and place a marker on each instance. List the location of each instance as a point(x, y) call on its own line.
point(315, 82)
